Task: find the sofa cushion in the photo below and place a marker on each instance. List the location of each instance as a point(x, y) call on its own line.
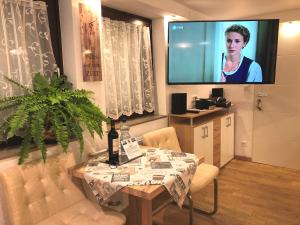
point(84, 212)
point(37, 193)
point(37, 190)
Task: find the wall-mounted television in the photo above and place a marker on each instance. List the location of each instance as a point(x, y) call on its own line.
point(221, 52)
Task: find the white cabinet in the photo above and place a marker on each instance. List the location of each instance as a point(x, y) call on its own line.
point(203, 141)
point(227, 139)
point(209, 134)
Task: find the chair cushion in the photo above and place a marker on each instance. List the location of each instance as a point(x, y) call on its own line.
point(163, 138)
point(85, 213)
point(205, 174)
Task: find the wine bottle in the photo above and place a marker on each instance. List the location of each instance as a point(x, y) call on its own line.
point(113, 144)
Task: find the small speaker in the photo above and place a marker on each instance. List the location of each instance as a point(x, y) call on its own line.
point(217, 92)
point(178, 103)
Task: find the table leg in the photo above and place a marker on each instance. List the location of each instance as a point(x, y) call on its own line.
point(140, 211)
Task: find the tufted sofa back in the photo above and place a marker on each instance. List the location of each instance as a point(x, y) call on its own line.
point(37, 190)
point(162, 138)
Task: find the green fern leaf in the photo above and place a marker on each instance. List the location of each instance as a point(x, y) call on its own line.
point(40, 83)
point(10, 102)
point(26, 89)
point(25, 146)
point(18, 120)
point(61, 130)
point(77, 131)
point(38, 131)
point(74, 126)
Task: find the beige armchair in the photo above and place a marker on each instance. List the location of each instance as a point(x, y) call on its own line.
point(166, 138)
point(40, 193)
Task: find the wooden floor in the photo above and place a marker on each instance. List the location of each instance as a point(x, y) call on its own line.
point(249, 194)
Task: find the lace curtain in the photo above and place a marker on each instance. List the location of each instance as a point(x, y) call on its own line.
point(127, 68)
point(25, 43)
point(25, 46)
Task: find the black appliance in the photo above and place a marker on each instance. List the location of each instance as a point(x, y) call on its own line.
point(178, 103)
point(217, 92)
point(222, 102)
point(203, 103)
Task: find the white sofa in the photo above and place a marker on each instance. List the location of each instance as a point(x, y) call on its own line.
point(40, 193)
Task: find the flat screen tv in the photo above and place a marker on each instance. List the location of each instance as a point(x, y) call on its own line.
point(220, 52)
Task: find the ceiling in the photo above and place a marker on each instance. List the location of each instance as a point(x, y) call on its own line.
point(136, 7)
point(214, 9)
point(233, 9)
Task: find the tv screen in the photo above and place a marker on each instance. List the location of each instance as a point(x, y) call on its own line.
point(220, 52)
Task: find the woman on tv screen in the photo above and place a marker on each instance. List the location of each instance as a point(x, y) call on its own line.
point(237, 68)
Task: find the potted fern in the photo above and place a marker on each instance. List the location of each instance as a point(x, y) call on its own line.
point(51, 106)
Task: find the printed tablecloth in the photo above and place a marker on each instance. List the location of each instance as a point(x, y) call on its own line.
point(174, 170)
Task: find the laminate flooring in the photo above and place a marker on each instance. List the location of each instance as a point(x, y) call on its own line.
point(249, 194)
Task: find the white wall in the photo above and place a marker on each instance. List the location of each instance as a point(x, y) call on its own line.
point(242, 96)
point(159, 42)
point(280, 117)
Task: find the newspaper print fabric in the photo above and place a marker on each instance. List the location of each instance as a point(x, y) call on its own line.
point(174, 170)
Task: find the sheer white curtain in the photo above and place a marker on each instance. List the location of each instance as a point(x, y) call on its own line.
point(127, 68)
point(25, 43)
point(25, 46)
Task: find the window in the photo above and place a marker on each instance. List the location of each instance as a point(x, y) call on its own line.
point(40, 57)
point(54, 25)
point(127, 64)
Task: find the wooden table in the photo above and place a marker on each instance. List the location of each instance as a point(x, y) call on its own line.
point(140, 198)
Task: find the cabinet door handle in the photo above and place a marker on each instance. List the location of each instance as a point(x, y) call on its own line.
point(259, 104)
point(229, 119)
point(203, 132)
point(227, 122)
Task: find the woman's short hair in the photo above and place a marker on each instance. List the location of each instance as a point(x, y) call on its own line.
point(241, 30)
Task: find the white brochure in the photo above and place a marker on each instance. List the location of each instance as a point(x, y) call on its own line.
point(131, 148)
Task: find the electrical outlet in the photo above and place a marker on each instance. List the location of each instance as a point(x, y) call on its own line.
point(244, 143)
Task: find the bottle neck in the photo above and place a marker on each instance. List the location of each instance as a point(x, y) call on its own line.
point(112, 125)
